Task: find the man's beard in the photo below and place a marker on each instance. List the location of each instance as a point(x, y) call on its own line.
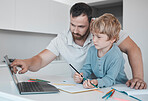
point(78, 36)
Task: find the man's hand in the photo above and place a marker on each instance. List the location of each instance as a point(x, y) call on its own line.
point(19, 63)
point(136, 83)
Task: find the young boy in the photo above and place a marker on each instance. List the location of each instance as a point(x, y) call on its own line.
point(104, 59)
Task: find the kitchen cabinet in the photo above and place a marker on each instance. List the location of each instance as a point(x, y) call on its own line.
point(7, 14)
point(41, 16)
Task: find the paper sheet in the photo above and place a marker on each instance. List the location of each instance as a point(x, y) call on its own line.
point(129, 91)
point(71, 87)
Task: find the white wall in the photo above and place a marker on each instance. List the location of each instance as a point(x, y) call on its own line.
point(25, 44)
point(22, 44)
point(135, 22)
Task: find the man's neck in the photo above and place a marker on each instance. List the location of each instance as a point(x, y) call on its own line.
point(82, 41)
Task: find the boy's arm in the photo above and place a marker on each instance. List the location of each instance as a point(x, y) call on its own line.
point(112, 71)
point(129, 47)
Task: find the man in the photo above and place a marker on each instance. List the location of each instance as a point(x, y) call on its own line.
point(74, 44)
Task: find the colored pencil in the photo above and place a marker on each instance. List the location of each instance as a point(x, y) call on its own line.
point(112, 93)
point(38, 80)
point(108, 94)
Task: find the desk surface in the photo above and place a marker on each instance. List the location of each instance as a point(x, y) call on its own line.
point(8, 90)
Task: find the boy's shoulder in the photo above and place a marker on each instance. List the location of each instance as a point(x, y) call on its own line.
point(92, 48)
point(116, 51)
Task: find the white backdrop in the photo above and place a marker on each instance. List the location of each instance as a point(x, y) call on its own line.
point(135, 22)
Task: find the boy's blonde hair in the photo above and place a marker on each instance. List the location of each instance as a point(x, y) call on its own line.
point(106, 24)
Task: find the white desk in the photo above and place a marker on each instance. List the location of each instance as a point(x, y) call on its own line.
point(8, 90)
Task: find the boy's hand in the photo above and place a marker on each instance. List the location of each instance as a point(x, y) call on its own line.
point(87, 83)
point(77, 77)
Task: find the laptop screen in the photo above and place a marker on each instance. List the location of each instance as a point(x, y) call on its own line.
point(10, 69)
point(30, 87)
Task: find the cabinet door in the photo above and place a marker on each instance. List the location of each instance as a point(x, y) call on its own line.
point(7, 14)
point(45, 16)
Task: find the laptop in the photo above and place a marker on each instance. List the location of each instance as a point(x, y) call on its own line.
point(30, 87)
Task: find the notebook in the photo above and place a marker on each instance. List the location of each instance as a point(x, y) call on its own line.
point(122, 88)
point(71, 87)
point(30, 87)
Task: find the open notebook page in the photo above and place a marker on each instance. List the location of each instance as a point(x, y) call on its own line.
point(129, 91)
point(70, 87)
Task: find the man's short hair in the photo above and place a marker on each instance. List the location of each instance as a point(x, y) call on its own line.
point(81, 8)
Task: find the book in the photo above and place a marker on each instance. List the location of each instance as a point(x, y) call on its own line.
point(71, 87)
point(122, 88)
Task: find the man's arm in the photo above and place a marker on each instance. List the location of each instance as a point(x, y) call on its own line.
point(35, 63)
point(129, 47)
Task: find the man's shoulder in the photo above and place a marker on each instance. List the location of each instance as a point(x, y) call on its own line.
point(122, 36)
point(63, 36)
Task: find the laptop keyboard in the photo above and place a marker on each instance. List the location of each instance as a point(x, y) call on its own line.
point(30, 87)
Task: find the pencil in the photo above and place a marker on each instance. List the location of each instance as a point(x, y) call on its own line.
point(76, 70)
point(42, 80)
point(38, 80)
point(98, 90)
point(108, 93)
point(112, 93)
point(94, 85)
point(82, 75)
